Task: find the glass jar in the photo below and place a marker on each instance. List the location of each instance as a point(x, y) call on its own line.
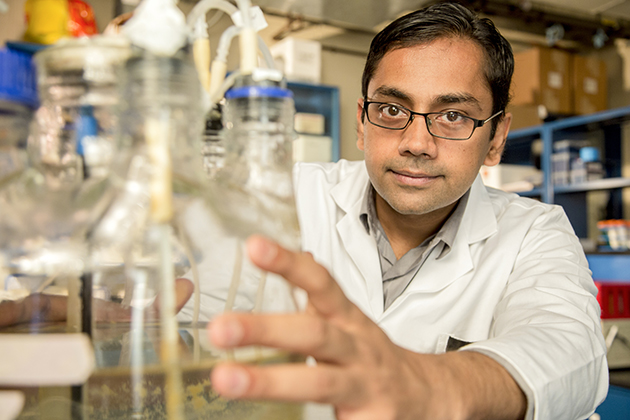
point(157, 229)
point(47, 211)
point(254, 194)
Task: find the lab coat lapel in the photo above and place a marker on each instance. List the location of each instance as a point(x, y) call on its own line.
point(478, 223)
point(358, 243)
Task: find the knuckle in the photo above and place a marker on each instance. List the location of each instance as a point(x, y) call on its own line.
point(327, 386)
point(320, 333)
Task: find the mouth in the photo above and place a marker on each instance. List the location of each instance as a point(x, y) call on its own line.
point(416, 179)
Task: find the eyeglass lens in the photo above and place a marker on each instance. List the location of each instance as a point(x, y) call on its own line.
point(447, 124)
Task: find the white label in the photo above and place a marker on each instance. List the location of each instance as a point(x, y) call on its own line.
point(256, 14)
point(554, 80)
point(590, 86)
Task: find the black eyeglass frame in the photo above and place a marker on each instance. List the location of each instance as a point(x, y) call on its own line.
point(412, 114)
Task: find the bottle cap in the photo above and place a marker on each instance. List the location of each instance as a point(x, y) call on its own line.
point(589, 154)
point(258, 91)
point(18, 82)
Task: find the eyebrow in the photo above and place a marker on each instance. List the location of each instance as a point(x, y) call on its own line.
point(458, 98)
point(450, 98)
point(392, 92)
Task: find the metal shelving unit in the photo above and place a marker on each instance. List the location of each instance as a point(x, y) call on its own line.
point(606, 127)
point(320, 99)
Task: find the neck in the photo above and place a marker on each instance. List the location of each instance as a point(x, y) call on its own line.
point(406, 232)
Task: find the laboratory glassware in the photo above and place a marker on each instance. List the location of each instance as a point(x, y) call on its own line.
point(161, 122)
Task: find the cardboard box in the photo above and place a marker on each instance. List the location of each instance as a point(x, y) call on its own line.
point(299, 59)
point(590, 85)
point(511, 177)
point(542, 76)
point(307, 123)
point(526, 115)
point(307, 148)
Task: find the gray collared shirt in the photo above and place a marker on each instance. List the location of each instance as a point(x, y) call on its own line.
point(397, 274)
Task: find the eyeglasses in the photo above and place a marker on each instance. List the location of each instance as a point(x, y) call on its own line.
point(450, 125)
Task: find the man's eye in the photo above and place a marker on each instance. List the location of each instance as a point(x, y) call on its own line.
point(392, 111)
point(452, 116)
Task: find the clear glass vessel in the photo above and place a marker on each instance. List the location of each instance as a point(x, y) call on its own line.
point(47, 211)
point(255, 192)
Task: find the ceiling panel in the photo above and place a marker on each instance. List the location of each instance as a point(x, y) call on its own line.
point(360, 14)
point(621, 10)
point(615, 9)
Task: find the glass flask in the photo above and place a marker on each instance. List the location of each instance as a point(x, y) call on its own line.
point(258, 196)
point(149, 363)
point(47, 211)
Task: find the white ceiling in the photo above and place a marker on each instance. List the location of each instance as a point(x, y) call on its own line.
point(368, 14)
point(524, 20)
point(615, 9)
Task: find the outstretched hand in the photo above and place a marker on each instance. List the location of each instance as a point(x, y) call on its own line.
point(359, 369)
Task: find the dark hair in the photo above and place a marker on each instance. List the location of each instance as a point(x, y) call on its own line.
point(443, 20)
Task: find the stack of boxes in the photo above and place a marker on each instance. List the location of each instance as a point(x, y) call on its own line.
point(311, 144)
point(553, 82)
point(575, 162)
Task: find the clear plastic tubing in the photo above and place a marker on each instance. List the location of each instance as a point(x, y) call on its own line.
point(204, 6)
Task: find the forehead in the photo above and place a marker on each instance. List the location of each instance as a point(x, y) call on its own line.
point(446, 66)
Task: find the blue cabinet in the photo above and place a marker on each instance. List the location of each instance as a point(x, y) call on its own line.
point(606, 129)
point(616, 406)
point(320, 99)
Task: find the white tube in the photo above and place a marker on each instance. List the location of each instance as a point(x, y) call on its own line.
point(202, 8)
point(225, 41)
point(260, 293)
point(236, 278)
point(217, 78)
point(216, 96)
point(249, 50)
point(264, 50)
point(169, 352)
point(244, 6)
point(248, 41)
point(201, 54)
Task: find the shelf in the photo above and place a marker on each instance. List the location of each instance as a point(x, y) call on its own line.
point(605, 130)
point(536, 192)
point(320, 99)
point(612, 116)
point(601, 184)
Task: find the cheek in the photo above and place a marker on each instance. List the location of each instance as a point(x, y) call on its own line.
point(465, 158)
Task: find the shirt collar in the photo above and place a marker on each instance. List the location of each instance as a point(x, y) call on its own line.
point(446, 234)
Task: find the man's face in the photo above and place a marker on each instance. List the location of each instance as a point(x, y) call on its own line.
point(412, 171)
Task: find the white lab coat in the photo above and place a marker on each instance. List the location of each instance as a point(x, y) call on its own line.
point(515, 284)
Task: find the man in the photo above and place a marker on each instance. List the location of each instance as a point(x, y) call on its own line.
point(412, 256)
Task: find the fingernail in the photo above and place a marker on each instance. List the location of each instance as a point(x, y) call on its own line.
point(226, 332)
point(264, 251)
point(231, 382)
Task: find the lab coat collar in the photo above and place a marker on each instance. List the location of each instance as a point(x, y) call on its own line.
point(478, 223)
point(361, 247)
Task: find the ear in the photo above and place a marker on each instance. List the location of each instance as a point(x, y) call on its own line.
point(360, 124)
point(497, 144)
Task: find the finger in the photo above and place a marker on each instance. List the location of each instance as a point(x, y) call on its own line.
point(184, 289)
point(297, 333)
point(299, 382)
point(301, 270)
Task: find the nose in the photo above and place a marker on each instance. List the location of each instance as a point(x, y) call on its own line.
point(416, 139)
